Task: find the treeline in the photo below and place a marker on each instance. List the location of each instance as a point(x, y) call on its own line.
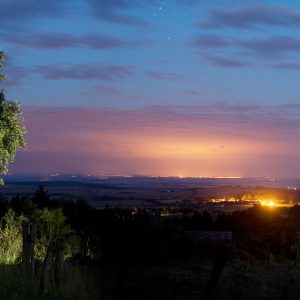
point(108, 235)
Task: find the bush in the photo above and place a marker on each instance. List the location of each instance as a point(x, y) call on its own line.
point(10, 238)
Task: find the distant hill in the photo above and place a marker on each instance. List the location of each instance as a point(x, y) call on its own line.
point(150, 182)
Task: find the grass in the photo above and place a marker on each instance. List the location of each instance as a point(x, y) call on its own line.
point(259, 281)
point(185, 281)
point(78, 284)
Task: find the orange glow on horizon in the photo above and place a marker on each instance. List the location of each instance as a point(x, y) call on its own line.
point(268, 203)
point(157, 142)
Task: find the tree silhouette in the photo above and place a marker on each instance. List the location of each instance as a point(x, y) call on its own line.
point(41, 197)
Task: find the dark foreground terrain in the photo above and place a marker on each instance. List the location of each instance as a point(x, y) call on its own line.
point(240, 280)
point(59, 248)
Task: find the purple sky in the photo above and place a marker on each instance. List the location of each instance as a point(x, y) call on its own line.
point(184, 88)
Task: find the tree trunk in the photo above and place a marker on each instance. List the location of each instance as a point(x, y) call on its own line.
point(47, 267)
point(29, 238)
point(59, 261)
point(31, 244)
point(84, 248)
point(25, 232)
point(215, 275)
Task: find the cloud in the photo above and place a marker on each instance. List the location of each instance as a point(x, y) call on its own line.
point(286, 66)
point(219, 117)
point(83, 71)
point(63, 40)
point(277, 45)
point(18, 74)
point(252, 16)
point(118, 11)
point(191, 92)
point(13, 13)
point(16, 11)
point(226, 62)
point(212, 41)
point(115, 93)
point(168, 76)
point(161, 140)
point(97, 71)
point(231, 50)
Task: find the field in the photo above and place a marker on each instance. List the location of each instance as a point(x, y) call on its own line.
point(153, 193)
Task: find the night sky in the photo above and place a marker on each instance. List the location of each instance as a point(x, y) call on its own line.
point(169, 88)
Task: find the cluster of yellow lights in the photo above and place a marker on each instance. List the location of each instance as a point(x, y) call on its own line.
point(268, 203)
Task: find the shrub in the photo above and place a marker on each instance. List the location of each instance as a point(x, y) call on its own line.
point(10, 238)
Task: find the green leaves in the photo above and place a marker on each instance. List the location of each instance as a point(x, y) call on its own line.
point(11, 127)
point(10, 238)
point(51, 227)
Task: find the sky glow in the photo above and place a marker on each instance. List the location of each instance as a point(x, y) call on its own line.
point(183, 88)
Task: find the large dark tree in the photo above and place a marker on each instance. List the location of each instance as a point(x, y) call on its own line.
point(11, 127)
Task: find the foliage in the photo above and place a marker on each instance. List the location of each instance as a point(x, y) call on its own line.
point(11, 127)
point(10, 238)
point(23, 205)
point(51, 227)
